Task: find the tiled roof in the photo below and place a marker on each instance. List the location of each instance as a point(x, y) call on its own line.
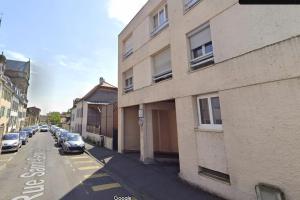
point(20, 66)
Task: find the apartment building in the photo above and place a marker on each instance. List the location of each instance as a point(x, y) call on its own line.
point(95, 115)
point(32, 116)
point(5, 103)
point(217, 84)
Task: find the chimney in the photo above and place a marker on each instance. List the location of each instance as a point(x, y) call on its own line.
point(101, 80)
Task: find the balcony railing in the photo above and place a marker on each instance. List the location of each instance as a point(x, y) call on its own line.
point(162, 75)
point(128, 53)
point(202, 60)
point(129, 88)
point(157, 29)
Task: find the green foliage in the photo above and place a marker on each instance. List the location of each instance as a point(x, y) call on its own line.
point(54, 117)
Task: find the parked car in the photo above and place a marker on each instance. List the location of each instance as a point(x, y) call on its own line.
point(57, 132)
point(73, 144)
point(62, 137)
point(53, 128)
point(24, 137)
point(35, 128)
point(44, 128)
point(29, 130)
point(11, 142)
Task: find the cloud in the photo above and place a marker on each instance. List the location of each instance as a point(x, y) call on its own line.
point(73, 64)
point(15, 55)
point(124, 10)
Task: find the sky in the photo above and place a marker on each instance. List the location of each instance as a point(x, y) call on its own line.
point(70, 43)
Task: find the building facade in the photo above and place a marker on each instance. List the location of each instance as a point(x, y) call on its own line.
point(13, 101)
point(32, 116)
point(95, 115)
point(216, 83)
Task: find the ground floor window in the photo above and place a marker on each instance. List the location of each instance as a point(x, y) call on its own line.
point(209, 111)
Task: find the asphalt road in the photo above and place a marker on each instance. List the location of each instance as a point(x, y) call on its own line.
point(39, 171)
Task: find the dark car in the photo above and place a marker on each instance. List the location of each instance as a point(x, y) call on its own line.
point(73, 144)
point(24, 136)
point(29, 130)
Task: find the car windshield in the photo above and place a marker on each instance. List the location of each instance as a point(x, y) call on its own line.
point(22, 134)
point(27, 129)
point(63, 134)
point(10, 137)
point(73, 138)
point(44, 126)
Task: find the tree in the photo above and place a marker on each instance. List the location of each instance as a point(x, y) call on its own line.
point(54, 117)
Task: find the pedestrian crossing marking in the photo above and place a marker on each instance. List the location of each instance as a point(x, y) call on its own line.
point(79, 157)
point(108, 186)
point(84, 161)
point(90, 167)
point(95, 175)
point(6, 160)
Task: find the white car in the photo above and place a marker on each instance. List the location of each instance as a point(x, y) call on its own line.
point(44, 128)
point(11, 142)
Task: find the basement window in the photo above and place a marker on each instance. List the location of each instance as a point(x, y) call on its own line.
point(214, 174)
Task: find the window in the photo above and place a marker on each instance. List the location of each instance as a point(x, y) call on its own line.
point(128, 81)
point(127, 45)
point(2, 111)
point(160, 20)
point(162, 66)
point(209, 112)
point(190, 3)
point(8, 112)
point(201, 49)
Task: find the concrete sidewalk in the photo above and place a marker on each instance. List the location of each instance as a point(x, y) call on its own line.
point(146, 181)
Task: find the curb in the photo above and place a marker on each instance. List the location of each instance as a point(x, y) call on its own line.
point(99, 161)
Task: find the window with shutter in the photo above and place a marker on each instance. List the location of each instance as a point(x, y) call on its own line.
point(160, 20)
point(128, 80)
point(162, 65)
point(127, 45)
point(201, 49)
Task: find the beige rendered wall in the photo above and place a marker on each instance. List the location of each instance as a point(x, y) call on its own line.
point(257, 78)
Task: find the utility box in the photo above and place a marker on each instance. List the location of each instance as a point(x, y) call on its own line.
point(268, 192)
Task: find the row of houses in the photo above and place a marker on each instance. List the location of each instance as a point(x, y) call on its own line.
point(14, 82)
point(212, 84)
point(95, 115)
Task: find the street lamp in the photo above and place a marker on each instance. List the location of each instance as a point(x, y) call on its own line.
point(2, 62)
